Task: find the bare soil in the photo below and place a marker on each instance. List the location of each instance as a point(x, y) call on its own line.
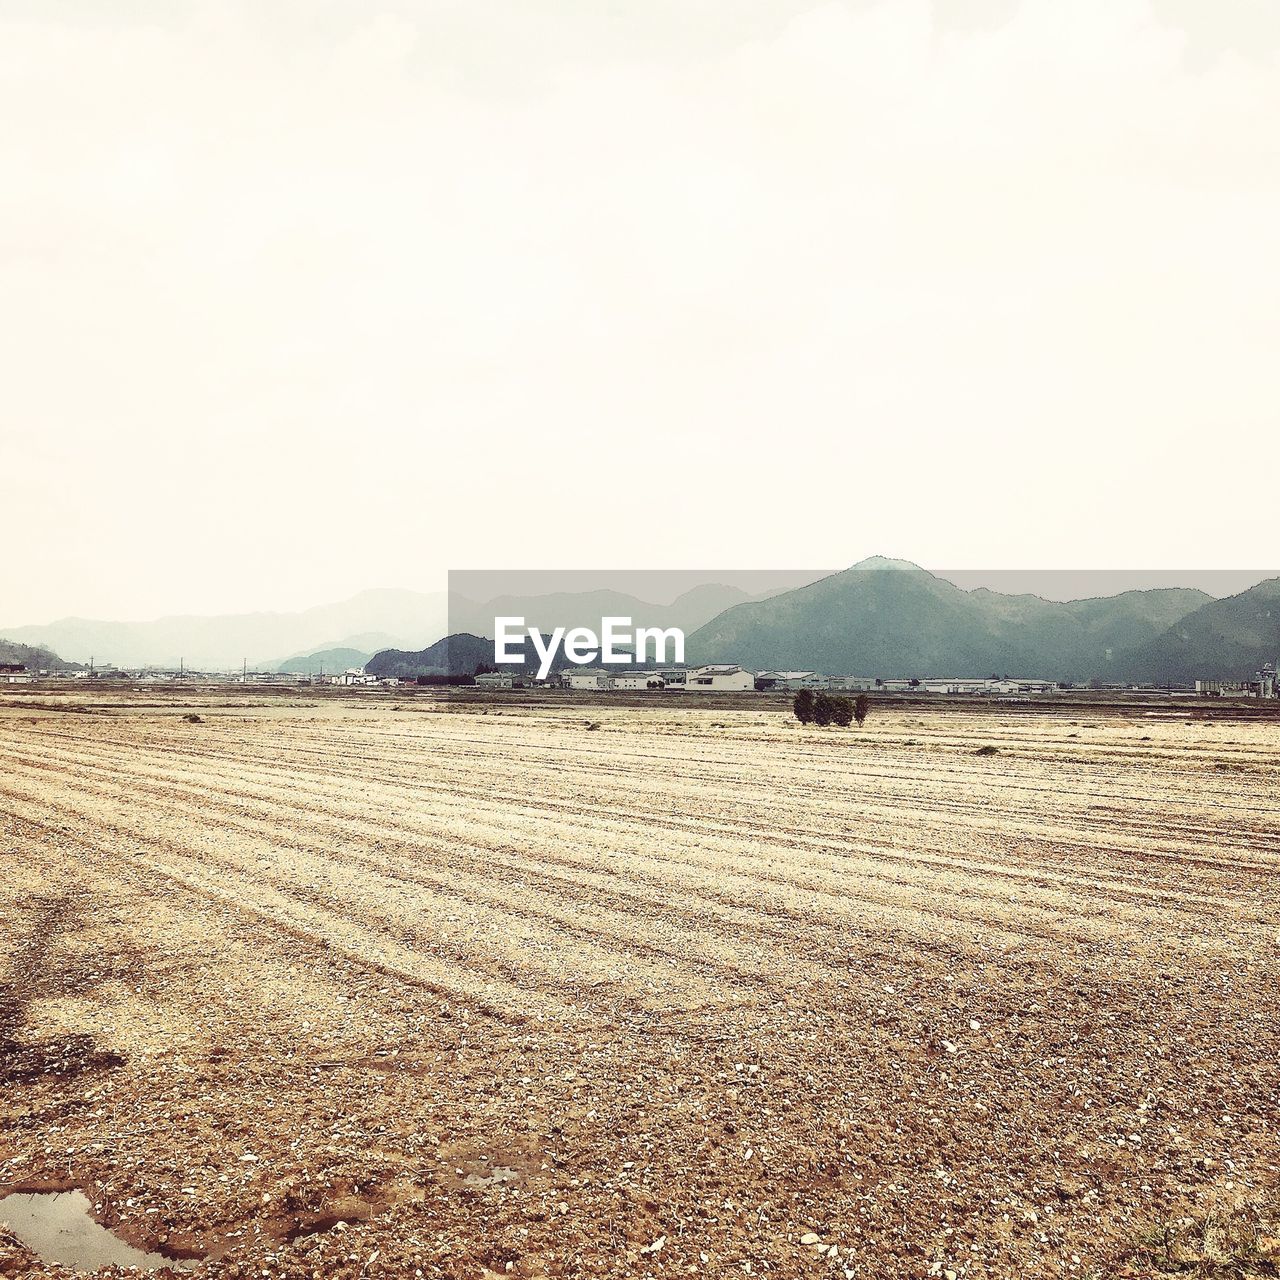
point(365, 986)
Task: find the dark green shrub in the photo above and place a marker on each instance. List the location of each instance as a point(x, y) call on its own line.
point(803, 706)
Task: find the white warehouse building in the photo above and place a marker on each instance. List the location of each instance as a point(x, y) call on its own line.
point(587, 678)
point(719, 679)
point(792, 680)
point(638, 680)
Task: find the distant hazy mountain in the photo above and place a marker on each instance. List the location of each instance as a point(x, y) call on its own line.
point(455, 655)
point(586, 608)
point(891, 618)
point(322, 662)
point(390, 617)
point(368, 622)
point(33, 658)
point(1222, 640)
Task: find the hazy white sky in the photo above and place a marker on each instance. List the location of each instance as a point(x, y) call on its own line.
point(304, 297)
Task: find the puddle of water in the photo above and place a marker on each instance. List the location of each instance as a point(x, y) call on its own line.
point(58, 1227)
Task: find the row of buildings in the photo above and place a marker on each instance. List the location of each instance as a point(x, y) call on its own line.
point(730, 678)
point(712, 678)
point(1263, 685)
point(720, 678)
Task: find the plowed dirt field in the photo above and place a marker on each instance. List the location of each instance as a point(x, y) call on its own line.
point(352, 987)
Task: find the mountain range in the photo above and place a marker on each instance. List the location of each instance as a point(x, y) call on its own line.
point(1226, 639)
point(879, 618)
point(892, 618)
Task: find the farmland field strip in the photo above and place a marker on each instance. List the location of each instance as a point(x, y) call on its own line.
point(380, 741)
point(29, 874)
point(119, 886)
point(844, 867)
point(1138, 793)
point(1130, 748)
point(337, 931)
point(289, 889)
point(895, 814)
point(500, 949)
point(168, 913)
point(895, 779)
point(841, 852)
point(731, 962)
point(898, 780)
point(846, 939)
